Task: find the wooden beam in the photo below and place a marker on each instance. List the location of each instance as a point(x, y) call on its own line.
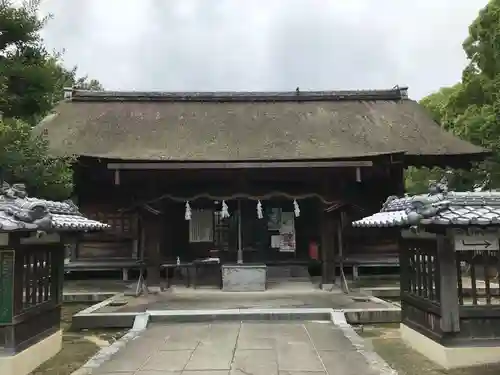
point(239, 165)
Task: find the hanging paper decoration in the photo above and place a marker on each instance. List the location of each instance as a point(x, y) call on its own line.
point(225, 212)
point(187, 214)
point(259, 210)
point(296, 208)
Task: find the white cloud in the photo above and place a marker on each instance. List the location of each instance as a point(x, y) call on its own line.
point(263, 44)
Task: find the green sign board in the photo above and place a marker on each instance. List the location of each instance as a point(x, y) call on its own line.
point(6, 286)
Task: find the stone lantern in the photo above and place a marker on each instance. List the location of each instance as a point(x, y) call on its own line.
point(33, 234)
point(449, 257)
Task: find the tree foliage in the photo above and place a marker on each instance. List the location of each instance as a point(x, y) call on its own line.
point(32, 78)
point(31, 83)
point(471, 108)
point(24, 158)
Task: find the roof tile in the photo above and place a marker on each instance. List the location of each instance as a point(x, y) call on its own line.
point(21, 213)
point(452, 208)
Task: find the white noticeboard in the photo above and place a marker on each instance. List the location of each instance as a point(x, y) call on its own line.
point(476, 242)
point(275, 241)
point(287, 232)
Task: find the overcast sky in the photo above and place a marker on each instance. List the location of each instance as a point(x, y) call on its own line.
point(205, 45)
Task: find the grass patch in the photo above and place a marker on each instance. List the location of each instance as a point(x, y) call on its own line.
point(74, 354)
point(77, 347)
point(388, 344)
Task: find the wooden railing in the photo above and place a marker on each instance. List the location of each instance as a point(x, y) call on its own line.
point(426, 304)
point(37, 296)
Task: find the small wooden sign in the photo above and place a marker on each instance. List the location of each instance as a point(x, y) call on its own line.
point(476, 241)
point(6, 286)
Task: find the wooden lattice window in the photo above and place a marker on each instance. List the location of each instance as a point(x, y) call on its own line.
point(125, 224)
point(478, 277)
point(37, 278)
point(422, 274)
point(201, 226)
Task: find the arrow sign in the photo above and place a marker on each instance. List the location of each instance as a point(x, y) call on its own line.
point(478, 242)
point(484, 243)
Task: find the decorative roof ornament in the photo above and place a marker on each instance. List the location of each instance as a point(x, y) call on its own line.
point(484, 185)
point(18, 212)
point(441, 186)
point(388, 201)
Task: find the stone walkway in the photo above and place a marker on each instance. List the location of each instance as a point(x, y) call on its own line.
point(240, 348)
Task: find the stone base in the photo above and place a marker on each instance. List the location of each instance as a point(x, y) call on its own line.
point(244, 278)
point(447, 357)
point(154, 289)
point(328, 287)
point(29, 359)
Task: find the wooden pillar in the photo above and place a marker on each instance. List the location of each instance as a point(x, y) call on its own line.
point(167, 233)
point(398, 178)
point(327, 248)
point(404, 263)
point(450, 316)
point(152, 232)
point(328, 229)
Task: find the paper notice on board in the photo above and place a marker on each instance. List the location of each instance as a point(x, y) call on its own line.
point(274, 219)
point(287, 232)
point(287, 242)
point(275, 241)
point(287, 223)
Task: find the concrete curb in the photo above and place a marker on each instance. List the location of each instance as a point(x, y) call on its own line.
point(197, 316)
point(373, 315)
point(89, 319)
point(86, 297)
point(83, 320)
point(100, 305)
point(374, 360)
point(382, 291)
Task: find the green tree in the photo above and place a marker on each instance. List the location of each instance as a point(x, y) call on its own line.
point(69, 78)
point(31, 77)
point(24, 158)
point(31, 82)
point(471, 108)
point(438, 104)
point(26, 78)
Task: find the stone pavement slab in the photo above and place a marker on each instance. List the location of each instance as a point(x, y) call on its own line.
point(242, 348)
point(255, 362)
point(203, 299)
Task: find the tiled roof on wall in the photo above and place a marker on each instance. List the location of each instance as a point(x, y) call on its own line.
point(443, 208)
point(18, 212)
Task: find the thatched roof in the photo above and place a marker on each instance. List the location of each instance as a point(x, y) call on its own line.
point(246, 126)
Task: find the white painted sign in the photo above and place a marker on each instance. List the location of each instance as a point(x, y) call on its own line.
point(476, 241)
